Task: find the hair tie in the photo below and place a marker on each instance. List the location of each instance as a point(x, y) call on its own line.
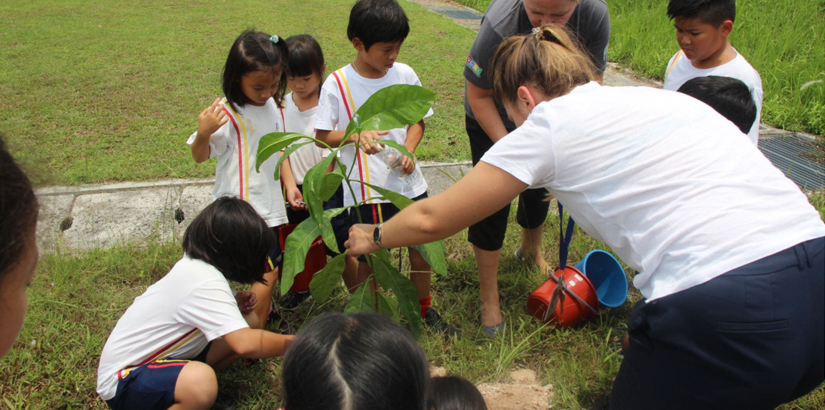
point(547, 35)
point(275, 39)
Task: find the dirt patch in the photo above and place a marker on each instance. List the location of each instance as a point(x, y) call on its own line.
point(521, 393)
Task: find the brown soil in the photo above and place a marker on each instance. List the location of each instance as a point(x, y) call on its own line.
point(521, 393)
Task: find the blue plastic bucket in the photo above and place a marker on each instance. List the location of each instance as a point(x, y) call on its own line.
point(607, 276)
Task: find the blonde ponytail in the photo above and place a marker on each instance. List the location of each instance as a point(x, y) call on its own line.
point(548, 59)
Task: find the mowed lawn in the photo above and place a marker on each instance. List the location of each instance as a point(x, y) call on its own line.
point(109, 91)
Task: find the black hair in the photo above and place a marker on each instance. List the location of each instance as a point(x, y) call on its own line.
point(229, 235)
point(354, 361)
point(18, 211)
point(377, 21)
point(728, 96)
point(713, 12)
point(254, 51)
point(455, 393)
point(305, 56)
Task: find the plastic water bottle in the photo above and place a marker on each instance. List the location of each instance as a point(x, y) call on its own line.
point(393, 158)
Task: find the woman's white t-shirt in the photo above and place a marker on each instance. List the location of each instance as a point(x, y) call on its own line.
point(676, 190)
point(235, 145)
point(175, 318)
point(302, 122)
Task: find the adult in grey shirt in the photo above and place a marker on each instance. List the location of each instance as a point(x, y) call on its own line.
point(486, 123)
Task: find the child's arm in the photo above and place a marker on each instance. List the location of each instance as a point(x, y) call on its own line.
point(257, 343)
point(210, 120)
point(334, 139)
point(414, 135)
point(293, 194)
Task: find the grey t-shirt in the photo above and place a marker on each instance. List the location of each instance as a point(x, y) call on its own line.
point(504, 18)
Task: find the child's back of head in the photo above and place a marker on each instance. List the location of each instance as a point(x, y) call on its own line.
point(354, 361)
point(455, 393)
point(229, 235)
point(377, 21)
point(713, 12)
point(254, 51)
point(728, 96)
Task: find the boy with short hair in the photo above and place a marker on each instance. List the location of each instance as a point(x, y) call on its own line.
point(702, 29)
point(728, 96)
point(377, 29)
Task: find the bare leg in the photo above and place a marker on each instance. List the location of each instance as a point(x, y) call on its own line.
point(350, 275)
point(196, 388)
point(264, 294)
point(531, 246)
point(487, 262)
point(420, 273)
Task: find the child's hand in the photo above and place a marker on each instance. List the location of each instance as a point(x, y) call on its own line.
point(211, 119)
point(407, 164)
point(247, 301)
point(370, 136)
point(295, 199)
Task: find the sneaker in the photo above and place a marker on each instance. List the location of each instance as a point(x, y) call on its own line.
point(292, 300)
point(434, 321)
point(274, 319)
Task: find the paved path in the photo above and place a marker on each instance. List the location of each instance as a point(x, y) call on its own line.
point(89, 216)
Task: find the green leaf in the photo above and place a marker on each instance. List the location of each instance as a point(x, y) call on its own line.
point(389, 278)
point(295, 251)
point(287, 152)
point(397, 199)
point(326, 280)
point(392, 107)
point(330, 183)
point(361, 300)
point(313, 191)
point(326, 221)
point(275, 142)
point(434, 254)
point(388, 307)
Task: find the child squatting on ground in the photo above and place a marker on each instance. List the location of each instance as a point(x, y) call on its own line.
point(702, 29)
point(18, 247)
point(254, 83)
point(165, 349)
point(377, 29)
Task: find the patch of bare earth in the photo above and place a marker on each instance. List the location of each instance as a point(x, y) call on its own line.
point(522, 392)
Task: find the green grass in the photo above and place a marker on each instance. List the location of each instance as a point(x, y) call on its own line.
point(76, 299)
point(785, 48)
point(97, 92)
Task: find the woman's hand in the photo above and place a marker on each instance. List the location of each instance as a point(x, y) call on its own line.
point(211, 119)
point(247, 301)
point(360, 240)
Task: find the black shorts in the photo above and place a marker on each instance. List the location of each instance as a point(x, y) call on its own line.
point(752, 338)
point(275, 253)
point(488, 234)
point(375, 214)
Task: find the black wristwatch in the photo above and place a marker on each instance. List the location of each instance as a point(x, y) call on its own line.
point(376, 236)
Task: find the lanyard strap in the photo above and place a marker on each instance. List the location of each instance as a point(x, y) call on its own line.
point(564, 239)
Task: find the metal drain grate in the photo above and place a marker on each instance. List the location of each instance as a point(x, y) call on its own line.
point(785, 152)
